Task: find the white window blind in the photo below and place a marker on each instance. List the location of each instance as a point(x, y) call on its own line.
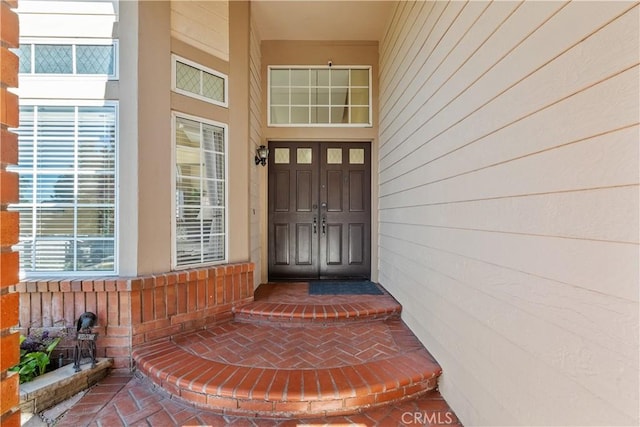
point(200, 188)
point(67, 188)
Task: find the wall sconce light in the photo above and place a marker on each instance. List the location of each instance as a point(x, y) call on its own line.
point(262, 153)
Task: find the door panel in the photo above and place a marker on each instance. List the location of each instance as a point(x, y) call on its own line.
point(319, 210)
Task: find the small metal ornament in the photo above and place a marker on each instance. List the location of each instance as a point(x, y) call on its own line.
point(85, 340)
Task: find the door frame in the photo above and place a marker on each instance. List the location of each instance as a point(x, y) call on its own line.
point(373, 214)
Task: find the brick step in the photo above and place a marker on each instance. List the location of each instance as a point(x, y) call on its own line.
point(286, 392)
point(309, 313)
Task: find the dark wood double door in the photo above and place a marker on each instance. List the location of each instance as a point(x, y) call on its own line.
point(319, 210)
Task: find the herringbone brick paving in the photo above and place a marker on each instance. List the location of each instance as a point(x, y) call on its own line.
point(124, 400)
point(267, 346)
point(253, 368)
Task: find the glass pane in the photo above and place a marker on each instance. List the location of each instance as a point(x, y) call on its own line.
point(339, 96)
point(320, 77)
point(279, 77)
point(304, 156)
point(54, 221)
point(96, 188)
point(24, 58)
point(95, 59)
point(187, 133)
point(300, 96)
point(26, 187)
point(25, 136)
point(360, 115)
point(95, 222)
point(55, 188)
point(300, 115)
point(26, 221)
point(339, 78)
point(319, 96)
point(279, 115)
point(360, 96)
point(281, 155)
point(53, 59)
point(187, 78)
point(54, 255)
point(319, 114)
point(96, 255)
point(26, 255)
point(300, 77)
point(214, 248)
point(339, 115)
point(356, 156)
point(213, 87)
point(360, 77)
point(96, 138)
point(56, 134)
point(279, 96)
point(334, 156)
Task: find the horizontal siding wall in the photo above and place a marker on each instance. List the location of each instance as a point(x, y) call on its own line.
point(509, 203)
point(258, 176)
point(203, 24)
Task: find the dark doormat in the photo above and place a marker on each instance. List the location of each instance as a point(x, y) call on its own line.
point(325, 287)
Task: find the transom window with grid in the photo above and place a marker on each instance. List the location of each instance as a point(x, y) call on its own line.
point(197, 81)
point(93, 58)
point(200, 192)
point(320, 96)
point(67, 172)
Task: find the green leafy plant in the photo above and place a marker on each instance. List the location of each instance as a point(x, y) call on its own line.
point(35, 355)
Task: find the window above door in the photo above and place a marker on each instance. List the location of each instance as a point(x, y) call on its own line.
point(319, 96)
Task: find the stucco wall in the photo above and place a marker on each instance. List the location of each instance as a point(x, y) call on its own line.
point(509, 203)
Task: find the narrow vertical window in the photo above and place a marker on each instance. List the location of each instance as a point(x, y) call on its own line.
point(200, 191)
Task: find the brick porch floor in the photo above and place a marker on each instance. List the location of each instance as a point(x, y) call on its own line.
point(289, 358)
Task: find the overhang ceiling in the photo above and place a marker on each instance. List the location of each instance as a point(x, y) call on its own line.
point(321, 19)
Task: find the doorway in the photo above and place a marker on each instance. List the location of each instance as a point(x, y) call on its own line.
point(319, 210)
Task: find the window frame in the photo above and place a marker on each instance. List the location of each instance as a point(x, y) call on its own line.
point(320, 67)
point(73, 42)
point(202, 68)
point(116, 229)
point(174, 189)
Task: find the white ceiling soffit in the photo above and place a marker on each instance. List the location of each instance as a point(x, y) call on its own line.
point(321, 19)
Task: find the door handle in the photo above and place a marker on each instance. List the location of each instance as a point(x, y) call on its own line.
point(324, 225)
point(315, 225)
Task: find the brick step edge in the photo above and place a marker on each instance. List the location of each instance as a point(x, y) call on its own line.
point(285, 314)
point(268, 392)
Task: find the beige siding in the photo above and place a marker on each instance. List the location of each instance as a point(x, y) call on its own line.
point(202, 24)
point(509, 203)
point(257, 177)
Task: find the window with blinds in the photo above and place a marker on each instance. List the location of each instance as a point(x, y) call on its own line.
point(197, 81)
point(69, 59)
point(67, 172)
point(200, 191)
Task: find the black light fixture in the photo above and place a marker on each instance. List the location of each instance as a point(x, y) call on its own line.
point(262, 153)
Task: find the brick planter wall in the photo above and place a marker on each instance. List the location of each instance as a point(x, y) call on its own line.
point(135, 311)
point(9, 350)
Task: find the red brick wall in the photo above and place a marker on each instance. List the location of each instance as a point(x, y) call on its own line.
point(134, 311)
point(9, 351)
